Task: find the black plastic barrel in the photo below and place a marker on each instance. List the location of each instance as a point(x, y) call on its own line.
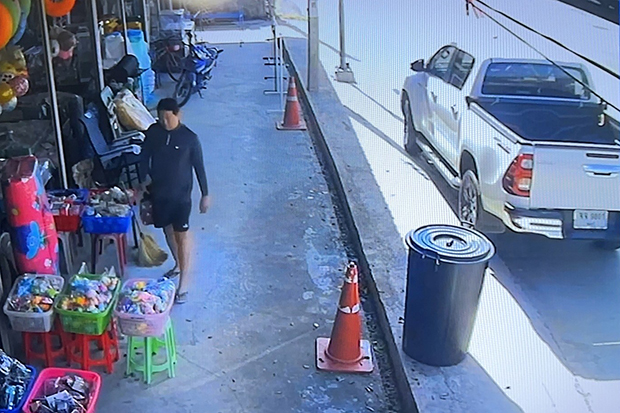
point(444, 278)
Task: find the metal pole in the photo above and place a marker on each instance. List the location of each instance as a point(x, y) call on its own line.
point(341, 27)
point(47, 51)
point(313, 46)
point(171, 7)
point(124, 20)
point(146, 20)
point(97, 45)
point(343, 73)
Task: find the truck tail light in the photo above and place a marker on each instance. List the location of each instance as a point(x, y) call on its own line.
point(518, 178)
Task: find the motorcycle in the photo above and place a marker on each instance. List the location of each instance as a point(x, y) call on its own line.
point(196, 71)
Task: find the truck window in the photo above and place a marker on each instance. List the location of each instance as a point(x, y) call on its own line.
point(461, 68)
point(535, 80)
point(439, 64)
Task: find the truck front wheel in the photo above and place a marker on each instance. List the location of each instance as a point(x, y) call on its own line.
point(470, 207)
point(411, 134)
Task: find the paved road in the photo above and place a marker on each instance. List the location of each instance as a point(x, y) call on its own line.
point(565, 291)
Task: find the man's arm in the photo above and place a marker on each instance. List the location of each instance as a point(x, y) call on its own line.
point(147, 152)
point(199, 167)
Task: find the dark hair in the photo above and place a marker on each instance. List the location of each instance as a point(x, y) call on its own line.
point(168, 105)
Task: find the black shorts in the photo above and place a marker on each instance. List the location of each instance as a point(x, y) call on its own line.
point(172, 212)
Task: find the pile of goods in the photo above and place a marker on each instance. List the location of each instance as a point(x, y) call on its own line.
point(146, 297)
point(65, 202)
point(34, 294)
point(110, 203)
point(14, 381)
point(86, 295)
point(66, 394)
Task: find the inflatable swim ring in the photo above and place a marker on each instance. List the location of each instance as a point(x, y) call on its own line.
point(15, 10)
point(6, 26)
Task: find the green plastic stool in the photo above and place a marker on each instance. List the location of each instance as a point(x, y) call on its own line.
point(150, 347)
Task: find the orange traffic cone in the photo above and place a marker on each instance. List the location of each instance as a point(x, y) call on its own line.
point(345, 351)
point(292, 112)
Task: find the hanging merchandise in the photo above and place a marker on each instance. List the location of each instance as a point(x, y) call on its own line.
point(33, 234)
point(58, 8)
point(23, 21)
point(15, 11)
point(6, 93)
point(20, 85)
point(6, 26)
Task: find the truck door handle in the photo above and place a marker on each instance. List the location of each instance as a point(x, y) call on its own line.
point(455, 112)
point(602, 171)
point(434, 96)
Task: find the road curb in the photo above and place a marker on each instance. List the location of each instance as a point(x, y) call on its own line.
point(335, 165)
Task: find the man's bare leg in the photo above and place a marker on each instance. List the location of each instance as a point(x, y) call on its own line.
point(182, 242)
point(174, 248)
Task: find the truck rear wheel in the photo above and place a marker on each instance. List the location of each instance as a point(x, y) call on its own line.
point(607, 245)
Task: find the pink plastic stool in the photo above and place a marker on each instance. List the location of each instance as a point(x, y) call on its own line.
point(121, 245)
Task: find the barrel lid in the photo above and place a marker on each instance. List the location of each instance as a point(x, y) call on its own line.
point(451, 244)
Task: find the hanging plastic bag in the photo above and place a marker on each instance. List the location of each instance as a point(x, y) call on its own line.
point(132, 114)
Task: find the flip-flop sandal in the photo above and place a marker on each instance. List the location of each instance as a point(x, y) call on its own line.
point(172, 273)
point(181, 298)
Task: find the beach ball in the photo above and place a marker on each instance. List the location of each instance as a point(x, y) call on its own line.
point(20, 85)
point(6, 93)
point(10, 105)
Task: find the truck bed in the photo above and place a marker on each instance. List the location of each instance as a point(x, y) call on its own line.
point(546, 120)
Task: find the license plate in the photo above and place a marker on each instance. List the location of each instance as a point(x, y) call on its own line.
point(590, 219)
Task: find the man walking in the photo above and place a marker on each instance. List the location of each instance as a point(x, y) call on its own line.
point(173, 152)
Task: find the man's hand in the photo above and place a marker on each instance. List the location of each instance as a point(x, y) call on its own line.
point(205, 203)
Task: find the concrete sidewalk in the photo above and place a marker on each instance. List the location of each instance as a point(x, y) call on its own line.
point(268, 262)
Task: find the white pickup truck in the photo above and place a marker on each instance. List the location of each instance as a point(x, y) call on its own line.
point(522, 141)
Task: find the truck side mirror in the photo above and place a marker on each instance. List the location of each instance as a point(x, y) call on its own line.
point(418, 66)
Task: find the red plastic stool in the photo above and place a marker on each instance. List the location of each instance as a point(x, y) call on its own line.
point(80, 349)
point(121, 245)
point(49, 353)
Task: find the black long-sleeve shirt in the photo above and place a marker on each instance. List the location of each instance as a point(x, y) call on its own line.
point(170, 157)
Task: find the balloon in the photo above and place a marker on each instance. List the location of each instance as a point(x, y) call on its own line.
point(6, 93)
point(15, 11)
point(10, 105)
point(20, 85)
point(58, 8)
point(6, 26)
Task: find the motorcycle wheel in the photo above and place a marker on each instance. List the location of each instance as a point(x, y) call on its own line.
point(185, 87)
point(173, 66)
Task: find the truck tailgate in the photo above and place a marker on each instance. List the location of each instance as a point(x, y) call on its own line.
point(574, 177)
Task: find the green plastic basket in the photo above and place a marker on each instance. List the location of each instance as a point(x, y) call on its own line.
point(85, 323)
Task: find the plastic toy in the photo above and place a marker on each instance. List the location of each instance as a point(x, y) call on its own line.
point(20, 85)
